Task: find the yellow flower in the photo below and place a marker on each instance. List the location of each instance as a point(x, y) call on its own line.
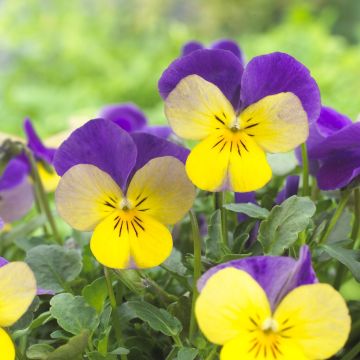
point(311, 322)
point(231, 153)
point(129, 228)
point(17, 291)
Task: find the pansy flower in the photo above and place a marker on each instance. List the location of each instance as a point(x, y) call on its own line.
point(238, 114)
point(334, 149)
point(223, 44)
point(130, 118)
point(125, 188)
point(271, 308)
point(17, 291)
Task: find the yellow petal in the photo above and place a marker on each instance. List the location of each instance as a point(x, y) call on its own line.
point(245, 347)
point(17, 291)
point(278, 123)
point(230, 304)
point(6, 346)
point(49, 178)
point(131, 238)
point(152, 246)
point(228, 160)
point(316, 318)
point(162, 189)
point(248, 166)
point(196, 107)
point(85, 196)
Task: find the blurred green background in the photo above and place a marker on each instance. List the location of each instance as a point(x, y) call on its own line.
point(65, 59)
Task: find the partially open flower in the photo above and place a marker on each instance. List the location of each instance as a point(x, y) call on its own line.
point(124, 192)
point(271, 308)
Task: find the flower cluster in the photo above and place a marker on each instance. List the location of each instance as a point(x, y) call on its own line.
point(254, 290)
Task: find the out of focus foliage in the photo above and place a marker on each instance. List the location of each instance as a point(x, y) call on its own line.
point(62, 59)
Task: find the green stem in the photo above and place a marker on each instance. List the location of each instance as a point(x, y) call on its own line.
point(177, 341)
point(341, 269)
point(212, 353)
point(305, 173)
point(355, 234)
point(352, 353)
point(42, 198)
point(197, 269)
point(220, 200)
point(339, 210)
point(115, 318)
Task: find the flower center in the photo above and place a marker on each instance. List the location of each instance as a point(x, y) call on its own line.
point(269, 325)
point(125, 205)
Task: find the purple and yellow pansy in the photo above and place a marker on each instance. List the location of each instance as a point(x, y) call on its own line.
point(238, 114)
point(271, 308)
point(125, 188)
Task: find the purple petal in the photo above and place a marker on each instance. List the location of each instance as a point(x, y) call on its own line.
point(346, 138)
point(277, 275)
point(278, 72)
point(15, 202)
point(246, 197)
point(160, 131)
point(14, 174)
point(35, 144)
point(101, 143)
point(229, 45)
point(338, 170)
point(190, 47)
point(128, 116)
point(2, 223)
point(3, 262)
point(150, 147)
point(330, 121)
point(219, 67)
point(291, 188)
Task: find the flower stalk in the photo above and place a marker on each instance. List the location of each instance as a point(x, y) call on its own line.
point(305, 172)
point(115, 318)
point(197, 269)
point(41, 196)
point(219, 204)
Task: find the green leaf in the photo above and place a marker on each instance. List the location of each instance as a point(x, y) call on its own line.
point(213, 247)
point(39, 351)
point(280, 230)
point(187, 354)
point(349, 258)
point(54, 266)
point(95, 294)
point(73, 349)
point(249, 209)
point(73, 314)
point(157, 319)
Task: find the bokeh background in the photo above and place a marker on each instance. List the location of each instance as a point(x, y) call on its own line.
point(63, 60)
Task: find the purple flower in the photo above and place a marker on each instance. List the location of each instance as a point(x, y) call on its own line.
point(334, 150)
point(238, 114)
point(40, 291)
point(223, 44)
point(277, 275)
point(130, 118)
point(125, 187)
